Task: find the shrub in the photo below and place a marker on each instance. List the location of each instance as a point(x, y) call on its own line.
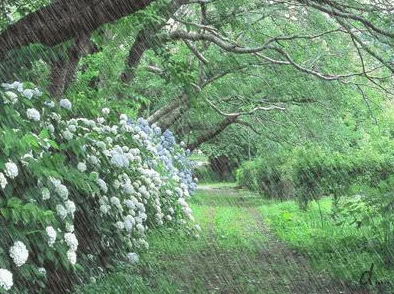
point(311, 172)
point(266, 176)
point(79, 193)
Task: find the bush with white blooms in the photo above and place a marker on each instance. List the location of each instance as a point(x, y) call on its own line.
point(78, 193)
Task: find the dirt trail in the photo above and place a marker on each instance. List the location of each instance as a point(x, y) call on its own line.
point(268, 267)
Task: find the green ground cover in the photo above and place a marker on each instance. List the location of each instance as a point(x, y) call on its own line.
point(249, 245)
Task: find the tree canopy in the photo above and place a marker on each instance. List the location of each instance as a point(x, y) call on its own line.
point(199, 66)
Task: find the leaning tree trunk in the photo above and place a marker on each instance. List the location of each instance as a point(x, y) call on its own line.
point(64, 68)
point(146, 40)
point(61, 21)
point(166, 110)
point(212, 133)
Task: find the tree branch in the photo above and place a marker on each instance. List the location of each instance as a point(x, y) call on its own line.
point(64, 20)
point(250, 112)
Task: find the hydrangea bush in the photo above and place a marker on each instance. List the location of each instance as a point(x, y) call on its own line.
point(78, 193)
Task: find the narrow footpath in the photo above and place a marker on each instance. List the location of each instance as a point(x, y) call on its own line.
point(241, 255)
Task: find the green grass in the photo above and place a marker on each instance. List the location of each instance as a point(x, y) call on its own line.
point(342, 251)
point(176, 263)
point(199, 157)
point(224, 185)
point(234, 254)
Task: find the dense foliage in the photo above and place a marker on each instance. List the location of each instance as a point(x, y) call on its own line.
point(78, 193)
point(359, 182)
point(295, 92)
point(310, 172)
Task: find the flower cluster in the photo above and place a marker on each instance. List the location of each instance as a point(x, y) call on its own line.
point(6, 281)
point(19, 253)
point(118, 176)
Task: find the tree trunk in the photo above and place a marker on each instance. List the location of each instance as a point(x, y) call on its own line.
point(146, 40)
point(174, 116)
point(63, 20)
point(63, 69)
point(213, 132)
point(165, 110)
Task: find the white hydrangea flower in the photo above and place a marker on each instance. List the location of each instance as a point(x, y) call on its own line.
point(94, 175)
point(72, 128)
point(71, 241)
point(50, 104)
point(51, 235)
point(11, 170)
point(129, 203)
point(119, 225)
point(6, 281)
point(67, 135)
point(128, 225)
point(72, 257)
point(81, 167)
point(100, 120)
point(128, 189)
point(116, 184)
point(104, 208)
point(73, 122)
point(102, 185)
point(70, 228)
point(11, 97)
point(15, 85)
point(37, 92)
point(109, 140)
point(61, 211)
point(42, 271)
point(70, 207)
point(115, 201)
point(62, 191)
point(114, 130)
point(65, 103)
point(91, 123)
point(19, 253)
point(123, 117)
point(133, 257)
point(119, 160)
point(93, 160)
point(144, 243)
point(56, 116)
point(101, 145)
point(182, 202)
point(55, 182)
point(3, 180)
point(105, 111)
point(51, 128)
point(28, 93)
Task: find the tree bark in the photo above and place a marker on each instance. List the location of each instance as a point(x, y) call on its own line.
point(173, 116)
point(63, 69)
point(64, 20)
point(146, 40)
point(213, 132)
point(165, 110)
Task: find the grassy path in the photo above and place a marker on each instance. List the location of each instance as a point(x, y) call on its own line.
point(236, 253)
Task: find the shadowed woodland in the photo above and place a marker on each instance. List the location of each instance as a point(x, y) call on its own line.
point(111, 111)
